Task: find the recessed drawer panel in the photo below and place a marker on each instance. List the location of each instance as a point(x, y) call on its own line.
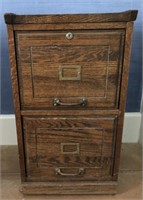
point(55, 71)
point(79, 148)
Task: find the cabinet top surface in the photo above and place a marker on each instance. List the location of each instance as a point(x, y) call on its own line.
point(130, 15)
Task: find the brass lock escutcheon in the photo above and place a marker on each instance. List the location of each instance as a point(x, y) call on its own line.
point(69, 36)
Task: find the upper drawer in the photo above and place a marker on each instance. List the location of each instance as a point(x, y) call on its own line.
point(68, 69)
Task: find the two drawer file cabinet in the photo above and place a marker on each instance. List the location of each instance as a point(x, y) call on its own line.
point(69, 77)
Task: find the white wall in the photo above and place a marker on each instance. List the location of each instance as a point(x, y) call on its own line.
point(131, 131)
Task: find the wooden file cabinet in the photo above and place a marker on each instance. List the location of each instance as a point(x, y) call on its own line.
point(69, 77)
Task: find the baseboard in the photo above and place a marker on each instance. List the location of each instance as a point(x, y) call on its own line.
point(131, 131)
point(7, 130)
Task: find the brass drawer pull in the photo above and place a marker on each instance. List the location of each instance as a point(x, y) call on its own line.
point(57, 102)
point(80, 172)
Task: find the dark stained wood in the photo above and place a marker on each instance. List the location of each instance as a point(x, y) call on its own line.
point(76, 112)
point(122, 103)
point(82, 187)
point(16, 98)
point(98, 53)
point(126, 16)
point(70, 26)
point(93, 137)
point(63, 149)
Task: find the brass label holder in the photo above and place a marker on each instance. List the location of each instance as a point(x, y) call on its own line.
point(77, 68)
point(76, 151)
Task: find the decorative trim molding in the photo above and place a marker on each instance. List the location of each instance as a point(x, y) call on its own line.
point(131, 130)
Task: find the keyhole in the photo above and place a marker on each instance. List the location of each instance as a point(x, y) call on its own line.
point(69, 36)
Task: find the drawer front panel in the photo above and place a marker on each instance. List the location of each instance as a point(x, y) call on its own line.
point(88, 66)
point(58, 148)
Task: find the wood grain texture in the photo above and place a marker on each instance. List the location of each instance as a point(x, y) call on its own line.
point(126, 16)
point(66, 113)
point(71, 146)
point(67, 188)
point(70, 188)
point(71, 26)
point(40, 56)
point(16, 98)
point(44, 136)
point(122, 103)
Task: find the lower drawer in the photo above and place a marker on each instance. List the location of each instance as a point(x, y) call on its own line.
point(62, 148)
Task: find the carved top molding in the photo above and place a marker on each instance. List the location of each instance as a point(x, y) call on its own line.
point(126, 16)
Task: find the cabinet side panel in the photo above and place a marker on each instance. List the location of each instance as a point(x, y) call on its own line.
point(16, 99)
point(122, 101)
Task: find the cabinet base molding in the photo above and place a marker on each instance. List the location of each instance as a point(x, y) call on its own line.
point(69, 188)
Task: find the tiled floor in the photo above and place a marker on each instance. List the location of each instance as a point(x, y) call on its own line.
point(129, 186)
